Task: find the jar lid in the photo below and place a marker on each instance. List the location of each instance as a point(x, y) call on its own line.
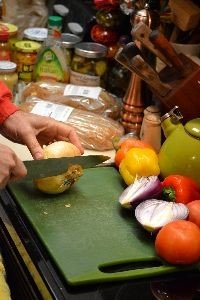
point(27, 46)
point(7, 66)
point(193, 127)
point(69, 40)
point(91, 50)
point(54, 20)
point(12, 29)
point(36, 33)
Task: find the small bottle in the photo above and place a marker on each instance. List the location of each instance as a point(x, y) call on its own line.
point(151, 127)
point(54, 26)
point(8, 74)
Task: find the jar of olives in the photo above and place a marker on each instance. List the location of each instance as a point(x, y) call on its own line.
point(69, 40)
point(89, 64)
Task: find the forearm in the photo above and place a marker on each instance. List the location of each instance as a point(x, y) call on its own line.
point(7, 108)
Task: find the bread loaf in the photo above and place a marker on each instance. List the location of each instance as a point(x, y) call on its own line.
point(95, 131)
point(106, 104)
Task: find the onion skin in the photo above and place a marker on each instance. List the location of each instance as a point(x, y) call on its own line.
point(60, 183)
point(141, 189)
point(153, 214)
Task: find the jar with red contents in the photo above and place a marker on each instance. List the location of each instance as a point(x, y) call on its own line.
point(5, 51)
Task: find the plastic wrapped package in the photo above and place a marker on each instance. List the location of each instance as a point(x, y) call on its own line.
point(96, 132)
point(25, 13)
point(94, 99)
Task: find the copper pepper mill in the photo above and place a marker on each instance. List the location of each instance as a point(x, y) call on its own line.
point(133, 101)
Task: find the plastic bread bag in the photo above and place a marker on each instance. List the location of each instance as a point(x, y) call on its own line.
point(96, 132)
point(93, 99)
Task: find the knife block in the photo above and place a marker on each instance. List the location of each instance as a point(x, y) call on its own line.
point(185, 91)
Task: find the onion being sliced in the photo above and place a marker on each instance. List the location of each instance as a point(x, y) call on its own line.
point(60, 183)
point(141, 189)
point(153, 214)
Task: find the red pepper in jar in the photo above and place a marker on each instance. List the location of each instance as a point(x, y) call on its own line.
point(180, 189)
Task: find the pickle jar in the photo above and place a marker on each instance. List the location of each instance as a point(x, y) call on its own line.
point(89, 64)
point(26, 57)
point(69, 41)
point(8, 74)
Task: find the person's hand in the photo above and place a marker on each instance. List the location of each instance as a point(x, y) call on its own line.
point(11, 167)
point(36, 131)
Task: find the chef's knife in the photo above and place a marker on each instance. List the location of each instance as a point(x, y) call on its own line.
point(56, 166)
point(141, 33)
point(162, 43)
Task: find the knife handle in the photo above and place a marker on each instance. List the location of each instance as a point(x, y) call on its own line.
point(150, 76)
point(162, 43)
point(141, 33)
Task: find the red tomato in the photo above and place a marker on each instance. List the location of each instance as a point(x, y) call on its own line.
point(178, 242)
point(126, 145)
point(194, 212)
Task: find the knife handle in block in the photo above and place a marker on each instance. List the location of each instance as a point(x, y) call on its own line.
point(141, 33)
point(149, 75)
point(162, 43)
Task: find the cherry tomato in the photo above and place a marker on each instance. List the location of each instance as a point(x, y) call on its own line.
point(126, 145)
point(194, 212)
point(178, 242)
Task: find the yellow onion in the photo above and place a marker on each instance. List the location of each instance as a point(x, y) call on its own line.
point(60, 183)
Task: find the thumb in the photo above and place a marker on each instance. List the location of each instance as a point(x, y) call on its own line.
point(34, 147)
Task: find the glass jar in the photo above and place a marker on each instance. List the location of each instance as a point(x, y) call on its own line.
point(5, 52)
point(26, 56)
point(69, 41)
point(89, 64)
point(36, 34)
point(8, 74)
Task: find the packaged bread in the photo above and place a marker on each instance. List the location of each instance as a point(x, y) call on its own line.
point(96, 132)
point(94, 99)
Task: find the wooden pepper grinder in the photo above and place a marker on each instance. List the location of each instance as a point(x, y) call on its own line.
point(133, 101)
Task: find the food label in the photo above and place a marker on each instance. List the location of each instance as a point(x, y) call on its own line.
point(83, 79)
point(84, 91)
point(55, 111)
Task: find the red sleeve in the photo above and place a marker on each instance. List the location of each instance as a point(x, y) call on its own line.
point(7, 108)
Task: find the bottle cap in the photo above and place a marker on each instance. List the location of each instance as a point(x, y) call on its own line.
point(55, 21)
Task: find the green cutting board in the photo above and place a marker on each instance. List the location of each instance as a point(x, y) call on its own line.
point(87, 234)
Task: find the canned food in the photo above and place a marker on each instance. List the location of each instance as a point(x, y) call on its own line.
point(8, 74)
point(26, 56)
point(89, 64)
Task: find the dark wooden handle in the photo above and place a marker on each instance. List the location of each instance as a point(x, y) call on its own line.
point(162, 43)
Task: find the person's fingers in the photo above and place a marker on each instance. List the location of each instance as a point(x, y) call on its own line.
point(72, 137)
point(18, 171)
point(34, 146)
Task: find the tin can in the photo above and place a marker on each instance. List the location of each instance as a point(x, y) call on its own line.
point(8, 74)
point(26, 56)
point(89, 64)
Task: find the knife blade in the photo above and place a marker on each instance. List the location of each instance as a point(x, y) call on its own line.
point(141, 33)
point(55, 166)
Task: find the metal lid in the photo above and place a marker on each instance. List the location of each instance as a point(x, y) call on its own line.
point(36, 33)
point(193, 127)
point(91, 50)
point(12, 29)
point(7, 66)
point(69, 40)
point(27, 46)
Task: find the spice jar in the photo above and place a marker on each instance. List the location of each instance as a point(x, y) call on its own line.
point(8, 74)
point(26, 56)
point(69, 41)
point(89, 64)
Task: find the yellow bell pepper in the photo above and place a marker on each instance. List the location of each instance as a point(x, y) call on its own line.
point(139, 162)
